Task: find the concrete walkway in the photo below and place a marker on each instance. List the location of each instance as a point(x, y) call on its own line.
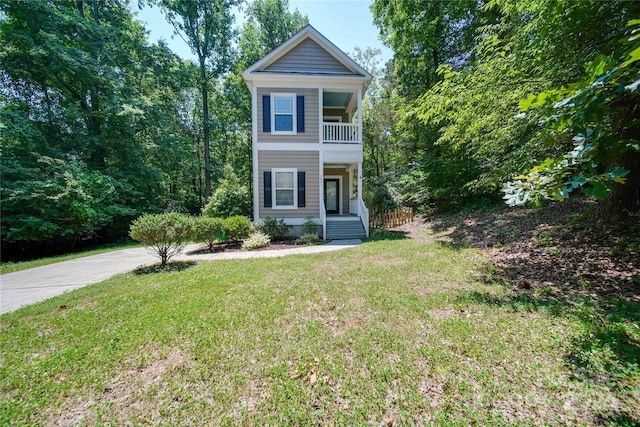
point(37, 284)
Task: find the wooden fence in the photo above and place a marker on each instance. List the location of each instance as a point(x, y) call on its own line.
point(392, 218)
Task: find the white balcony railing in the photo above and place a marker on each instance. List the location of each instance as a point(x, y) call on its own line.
point(340, 133)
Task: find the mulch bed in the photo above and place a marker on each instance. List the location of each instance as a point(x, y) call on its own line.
point(168, 267)
point(237, 247)
point(558, 248)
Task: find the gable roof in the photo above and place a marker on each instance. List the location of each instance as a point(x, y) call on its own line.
point(308, 57)
point(307, 53)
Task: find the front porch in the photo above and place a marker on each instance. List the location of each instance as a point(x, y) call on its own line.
point(342, 210)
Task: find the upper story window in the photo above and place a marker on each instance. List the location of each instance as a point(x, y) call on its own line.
point(283, 113)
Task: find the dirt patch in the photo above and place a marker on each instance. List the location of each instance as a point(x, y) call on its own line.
point(126, 392)
point(256, 394)
point(386, 261)
point(157, 368)
point(555, 249)
point(443, 313)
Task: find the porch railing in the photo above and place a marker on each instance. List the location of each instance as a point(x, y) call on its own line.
point(341, 133)
point(323, 219)
point(364, 215)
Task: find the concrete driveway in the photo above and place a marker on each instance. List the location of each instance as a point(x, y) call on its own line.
point(37, 284)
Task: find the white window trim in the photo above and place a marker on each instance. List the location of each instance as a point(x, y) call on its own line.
point(338, 118)
point(294, 102)
point(274, 188)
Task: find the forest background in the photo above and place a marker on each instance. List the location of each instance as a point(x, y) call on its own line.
point(485, 101)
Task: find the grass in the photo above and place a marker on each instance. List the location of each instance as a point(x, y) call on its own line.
point(395, 332)
point(10, 267)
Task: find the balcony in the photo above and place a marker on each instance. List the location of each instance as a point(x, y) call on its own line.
point(340, 133)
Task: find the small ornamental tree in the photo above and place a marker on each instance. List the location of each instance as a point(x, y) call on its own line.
point(165, 234)
point(230, 198)
point(237, 228)
point(208, 230)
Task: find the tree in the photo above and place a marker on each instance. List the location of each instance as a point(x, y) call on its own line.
point(94, 126)
point(205, 25)
point(426, 35)
point(377, 113)
point(230, 198)
point(457, 133)
point(165, 234)
point(595, 123)
point(268, 24)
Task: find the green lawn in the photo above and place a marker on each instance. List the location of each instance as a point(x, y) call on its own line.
point(400, 332)
point(10, 267)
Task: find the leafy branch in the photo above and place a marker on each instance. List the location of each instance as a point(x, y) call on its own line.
point(591, 120)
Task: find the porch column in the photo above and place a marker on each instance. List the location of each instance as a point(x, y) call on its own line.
point(359, 187)
point(359, 118)
point(320, 116)
point(350, 184)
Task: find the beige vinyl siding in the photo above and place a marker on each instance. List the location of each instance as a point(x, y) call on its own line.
point(304, 161)
point(344, 191)
point(308, 57)
point(336, 112)
point(310, 133)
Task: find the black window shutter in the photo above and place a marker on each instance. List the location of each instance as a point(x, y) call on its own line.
point(300, 111)
point(267, 189)
point(266, 113)
point(301, 190)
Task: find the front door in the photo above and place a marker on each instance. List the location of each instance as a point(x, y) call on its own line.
point(332, 196)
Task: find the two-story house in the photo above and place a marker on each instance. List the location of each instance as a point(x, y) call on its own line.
point(307, 147)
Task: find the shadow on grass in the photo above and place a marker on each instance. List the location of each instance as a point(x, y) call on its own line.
point(607, 350)
point(455, 246)
point(168, 267)
point(560, 262)
point(378, 234)
point(616, 418)
point(558, 246)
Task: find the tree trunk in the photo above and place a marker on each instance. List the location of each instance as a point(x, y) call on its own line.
point(205, 127)
point(80, 6)
point(197, 145)
point(623, 197)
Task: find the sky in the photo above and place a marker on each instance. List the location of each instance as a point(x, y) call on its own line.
point(346, 23)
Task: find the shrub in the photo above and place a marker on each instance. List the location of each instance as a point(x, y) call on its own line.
point(230, 198)
point(309, 226)
point(208, 230)
point(165, 234)
point(237, 228)
point(380, 193)
point(308, 239)
point(256, 240)
point(276, 229)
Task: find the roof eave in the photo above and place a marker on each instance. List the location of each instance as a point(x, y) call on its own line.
point(263, 77)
